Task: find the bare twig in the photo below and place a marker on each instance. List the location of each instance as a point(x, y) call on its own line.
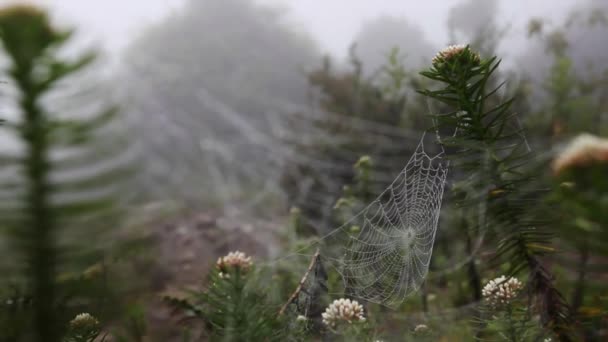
point(295, 294)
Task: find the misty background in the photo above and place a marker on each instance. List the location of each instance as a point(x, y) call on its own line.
point(333, 24)
point(224, 100)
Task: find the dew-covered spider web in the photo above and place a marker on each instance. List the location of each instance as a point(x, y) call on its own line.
point(385, 250)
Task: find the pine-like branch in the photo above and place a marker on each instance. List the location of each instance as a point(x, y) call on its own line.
point(491, 152)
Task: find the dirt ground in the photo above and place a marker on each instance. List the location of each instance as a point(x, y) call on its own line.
point(186, 249)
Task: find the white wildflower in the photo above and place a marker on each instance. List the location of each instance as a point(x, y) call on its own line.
point(84, 322)
point(584, 150)
point(343, 310)
point(421, 328)
point(301, 318)
point(449, 52)
point(501, 291)
point(234, 260)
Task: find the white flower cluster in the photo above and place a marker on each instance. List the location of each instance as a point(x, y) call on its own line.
point(233, 260)
point(501, 291)
point(449, 52)
point(584, 150)
point(343, 310)
point(84, 321)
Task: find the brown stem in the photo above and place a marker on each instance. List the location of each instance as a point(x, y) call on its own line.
point(294, 295)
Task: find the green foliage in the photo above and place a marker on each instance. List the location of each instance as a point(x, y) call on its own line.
point(233, 309)
point(83, 328)
point(351, 331)
point(357, 195)
point(512, 323)
point(15, 313)
point(360, 115)
point(47, 215)
point(573, 97)
point(134, 326)
point(490, 148)
point(580, 195)
point(574, 101)
point(571, 107)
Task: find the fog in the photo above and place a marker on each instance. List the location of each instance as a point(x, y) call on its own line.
point(333, 24)
point(220, 79)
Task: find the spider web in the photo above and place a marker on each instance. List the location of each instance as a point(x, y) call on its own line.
point(388, 257)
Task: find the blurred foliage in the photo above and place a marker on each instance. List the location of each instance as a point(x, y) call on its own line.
point(580, 196)
point(573, 101)
point(493, 152)
point(359, 115)
point(59, 187)
point(233, 309)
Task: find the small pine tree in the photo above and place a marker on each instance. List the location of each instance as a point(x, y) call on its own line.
point(231, 307)
point(59, 197)
point(499, 179)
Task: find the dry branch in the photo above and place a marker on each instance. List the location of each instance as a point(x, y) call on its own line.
point(294, 295)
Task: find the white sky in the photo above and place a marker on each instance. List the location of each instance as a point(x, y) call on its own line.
point(333, 23)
